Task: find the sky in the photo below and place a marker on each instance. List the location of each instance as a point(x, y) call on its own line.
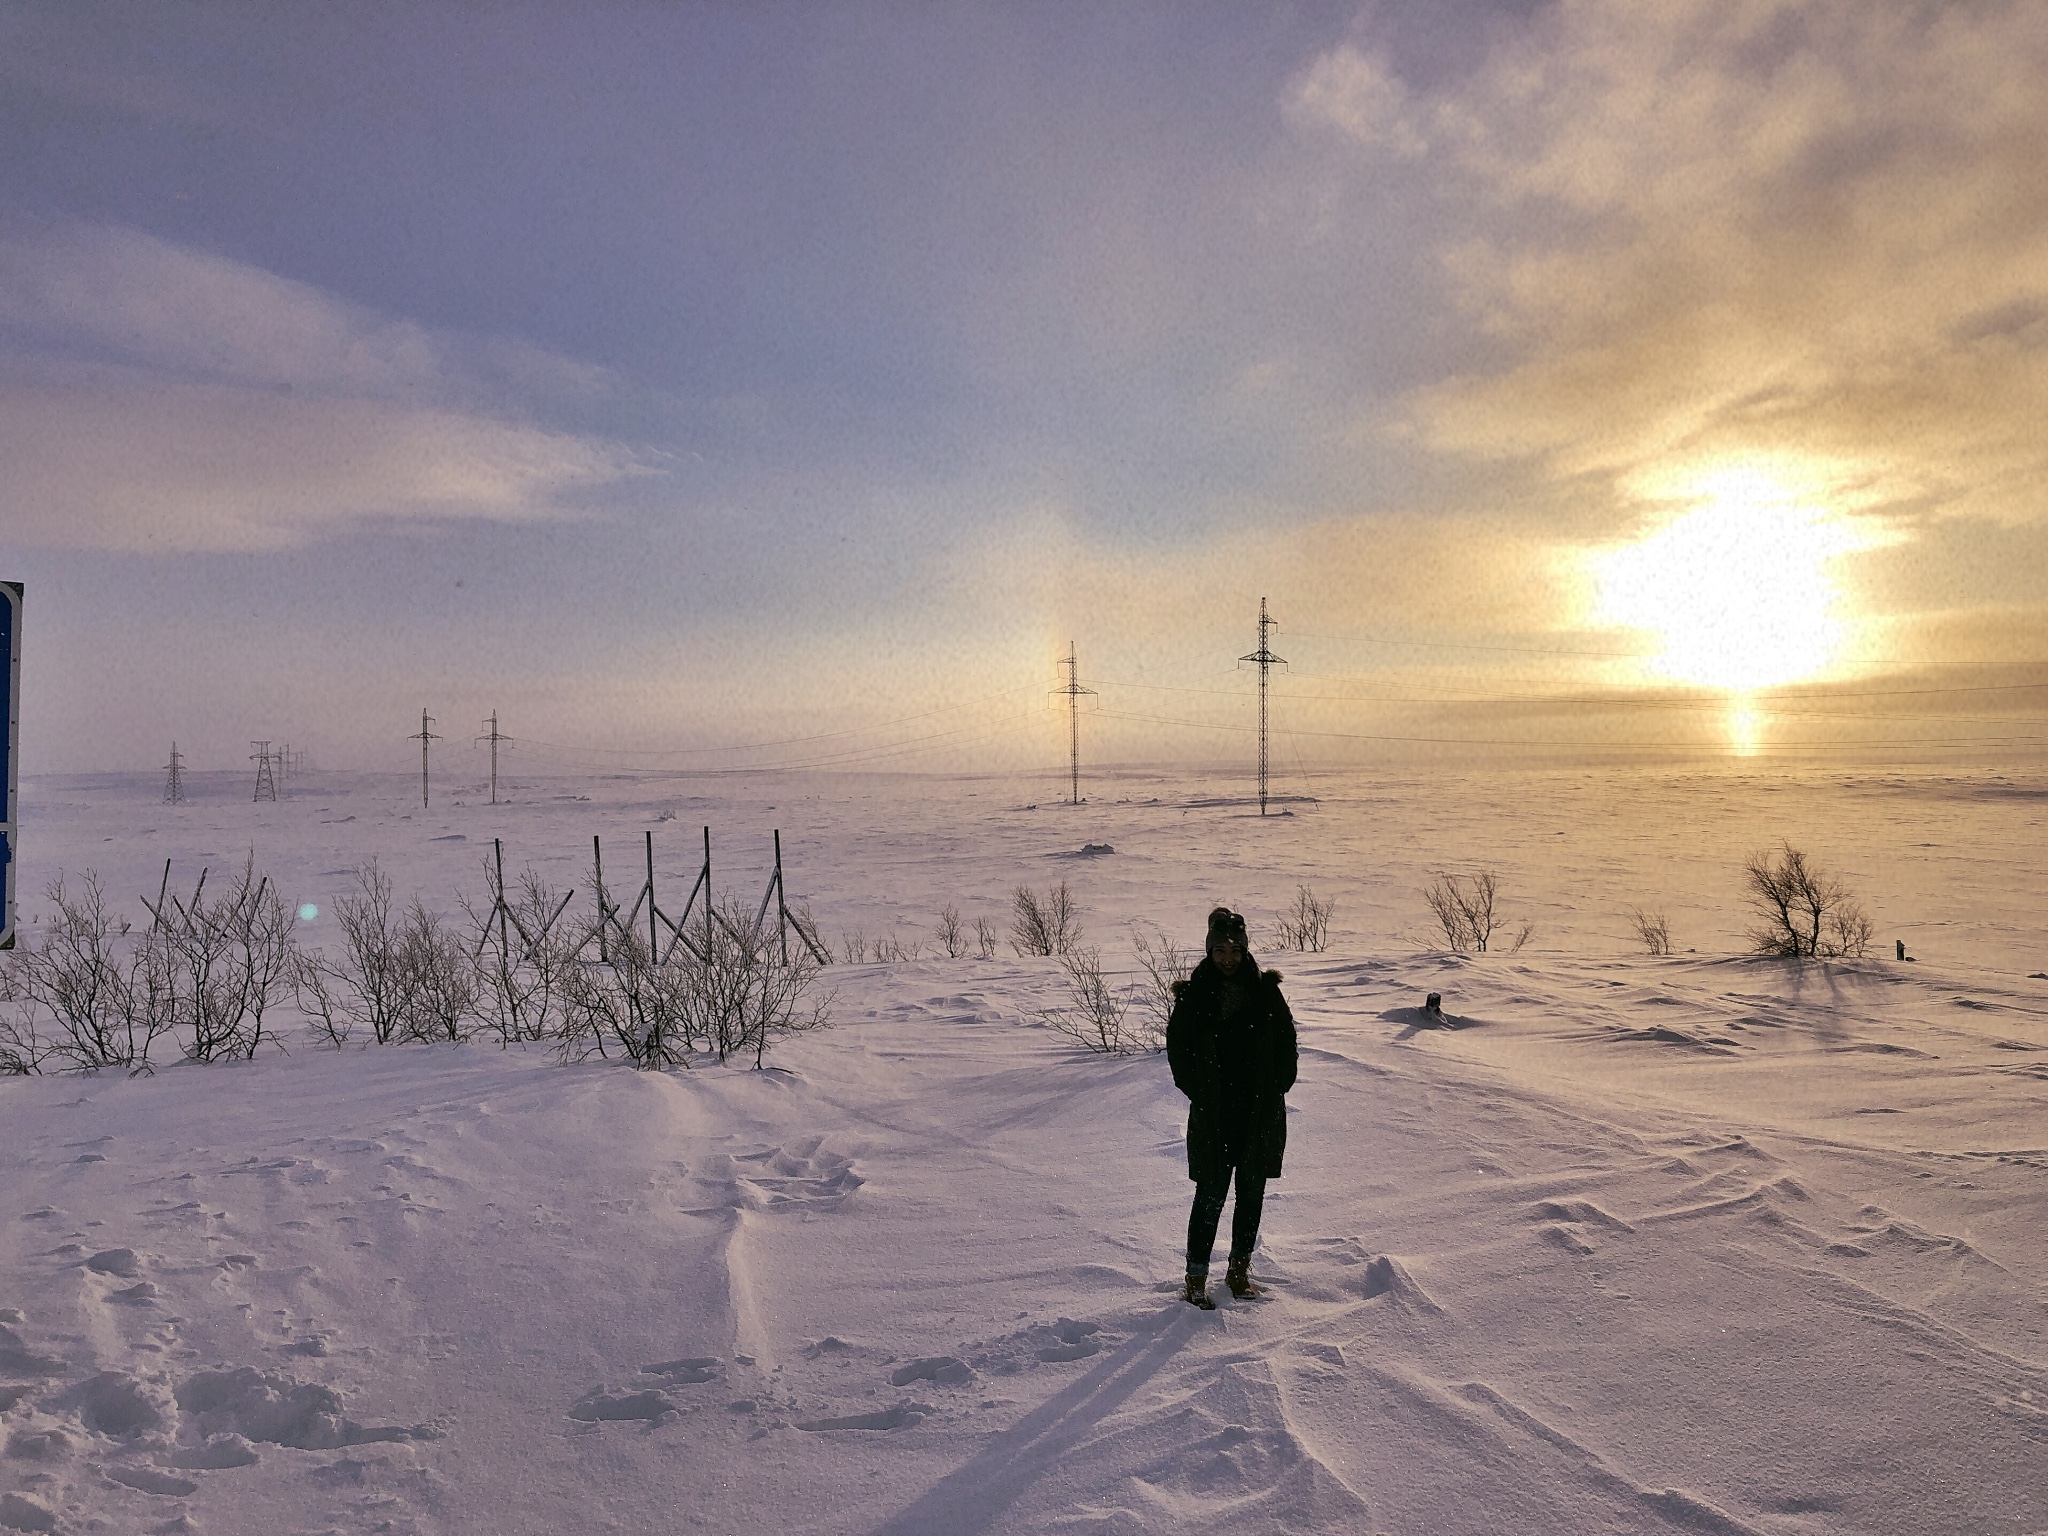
point(714, 385)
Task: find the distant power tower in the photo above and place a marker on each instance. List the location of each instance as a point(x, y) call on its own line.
point(174, 778)
point(493, 737)
point(423, 738)
point(1073, 690)
point(1266, 659)
point(266, 776)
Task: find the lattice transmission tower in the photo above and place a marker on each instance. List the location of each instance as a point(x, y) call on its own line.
point(266, 774)
point(1266, 660)
point(174, 778)
point(1073, 690)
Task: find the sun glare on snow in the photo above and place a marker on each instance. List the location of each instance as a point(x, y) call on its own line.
point(1740, 587)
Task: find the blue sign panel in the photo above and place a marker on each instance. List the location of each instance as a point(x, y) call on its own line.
point(10, 743)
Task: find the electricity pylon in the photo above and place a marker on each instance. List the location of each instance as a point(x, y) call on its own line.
point(1073, 690)
point(1266, 659)
point(174, 783)
point(266, 778)
point(423, 738)
point(493, 737)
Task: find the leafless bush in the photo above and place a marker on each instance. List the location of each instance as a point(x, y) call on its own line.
point(1466, 910)
point(1307, 925)
point(629, 1000)
point(361, 988)
point(437, 985)
point(984, 938)
point(743, 997)
point(952, 937)
point(1801, 910)
point(1652, 929)
point(853, 948)
point(1165, 964)
point(520, 958)
point(78, 994)
point(1044, 925)
point(403, 977)
point(1097, 1013)
point(890, 950)
point(223, 963)
point(728, 994)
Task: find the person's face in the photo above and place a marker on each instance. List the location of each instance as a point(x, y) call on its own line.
point(1227, 953)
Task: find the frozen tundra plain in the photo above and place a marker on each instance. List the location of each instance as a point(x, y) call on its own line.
point(1710, 1243)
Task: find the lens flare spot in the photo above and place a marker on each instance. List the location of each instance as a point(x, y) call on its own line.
point(307, 912)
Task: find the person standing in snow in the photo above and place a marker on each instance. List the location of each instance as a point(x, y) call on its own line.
point(1230, 1042)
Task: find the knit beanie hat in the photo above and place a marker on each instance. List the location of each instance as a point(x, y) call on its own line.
point(1225, 924)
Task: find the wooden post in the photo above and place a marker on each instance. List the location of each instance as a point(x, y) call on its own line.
point(597, 861)
point(707, 895)
point(498, 852)
point(781, 906)
point(653, 941)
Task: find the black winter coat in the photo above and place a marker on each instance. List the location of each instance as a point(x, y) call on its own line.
point(1258, 1103)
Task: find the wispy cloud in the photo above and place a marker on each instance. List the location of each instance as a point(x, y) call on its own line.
point(1697, 230)
point(155, 397)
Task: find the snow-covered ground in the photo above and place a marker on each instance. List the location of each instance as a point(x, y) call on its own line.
point(1707, 1243)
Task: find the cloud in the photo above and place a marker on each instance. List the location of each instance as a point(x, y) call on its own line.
point(1703, 230)
point(155, 397)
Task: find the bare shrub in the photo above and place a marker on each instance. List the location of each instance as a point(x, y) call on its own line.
point(1467, 911)
point(399, 978)
point(743, 997)
point(1044, 925)
point(890, 950)
point(1653, 930)
point(952, 937)
point(79, 992)
point(629, 1000)
point(1801, 910)
point(1306, 926)
point(730, 994)
point(359, 988)
point(853, 948)
point(984, 938)
point(438, 989)
point(224, 963)
point(1166, 965)
point(520, 959)
point(1097, 1014)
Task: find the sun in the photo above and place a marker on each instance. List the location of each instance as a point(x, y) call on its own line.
point(1742, 586)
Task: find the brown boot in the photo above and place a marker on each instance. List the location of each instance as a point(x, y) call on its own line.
point(1196, 1293)
point(1239, 1278)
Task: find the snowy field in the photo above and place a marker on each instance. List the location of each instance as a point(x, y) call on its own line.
point(1709, 1243)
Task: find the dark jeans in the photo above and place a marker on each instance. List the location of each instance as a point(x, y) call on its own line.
point(1208, 1211)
